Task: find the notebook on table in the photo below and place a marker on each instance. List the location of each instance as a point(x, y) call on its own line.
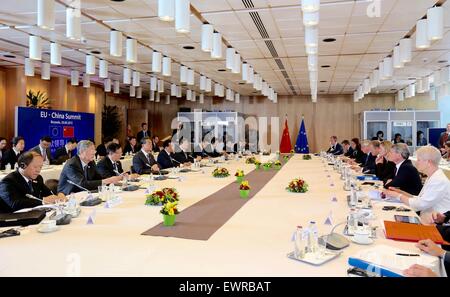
point(412, 232)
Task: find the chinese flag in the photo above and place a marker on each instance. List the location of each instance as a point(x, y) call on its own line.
point(285, 145)
point(68, 132)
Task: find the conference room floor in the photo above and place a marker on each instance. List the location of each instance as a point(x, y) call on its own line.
point(254, 242)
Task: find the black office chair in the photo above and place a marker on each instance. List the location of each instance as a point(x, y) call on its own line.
point(52, 184)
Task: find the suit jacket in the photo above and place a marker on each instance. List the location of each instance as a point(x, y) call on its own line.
point(61, 155)
point(370, 166)
point(37, 149)
point(443, 139)
point(156, 148)
point(165, 161)
point(141, 164)
point(211, 151)
point(101, 150)
point(407, 179)
point(13, 189)
point(105, 168)
point(129, 149)
point(183, 157)
point(10, 157)
point(140, 135)
point(199, 152)
point(73, 170)
point(2, 155)
point(385, 170)
point(336, 150)
point(349, 153)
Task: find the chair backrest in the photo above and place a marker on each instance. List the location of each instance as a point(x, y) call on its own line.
point(52, 184)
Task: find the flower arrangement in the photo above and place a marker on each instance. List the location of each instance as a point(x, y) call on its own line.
point(163, 196)
point(267, 165)
point(250, 160)
point(297, 186)
point(244, 186)
point(277, 164)
point(239, 173)
point(286, 158)
point(292, 152)
point(220, 172)
point(169, 212)
point(257, 164)
point(307, 157)
point(244, 189)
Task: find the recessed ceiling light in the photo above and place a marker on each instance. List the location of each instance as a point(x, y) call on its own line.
point(242, 83)
point(188, 47)
point(96, 52)
point(329, 40)
point(442, 61)
point(325, 66)
point(323, 81)
point(412, 78)
point(117, 0)
point(149, 72)
point(221, 70)
point(9, 56)
point(393, 89)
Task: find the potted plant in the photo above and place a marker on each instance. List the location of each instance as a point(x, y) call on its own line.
point(244, 189)
point(257, 164)
point(250, 160)
point(169, 212)
point(277, 165)
point(161, 197)
point(267, 165)
point(307, 157)
point(239, 175)
point(220, 172)
point(297, 186)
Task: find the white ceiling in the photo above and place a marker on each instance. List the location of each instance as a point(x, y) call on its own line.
point(361, 42)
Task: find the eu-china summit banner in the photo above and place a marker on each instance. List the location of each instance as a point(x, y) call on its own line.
point(33, 123)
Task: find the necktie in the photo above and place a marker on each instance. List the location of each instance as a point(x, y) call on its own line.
point(115, 167)
point(148, 159)
point(30, 185)
point(85, 169)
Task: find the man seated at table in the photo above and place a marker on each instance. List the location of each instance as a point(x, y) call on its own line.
point(131, 147)
point(81, 170)
point(199, 150)
point(143, 161)
point(165, 157)
point(182, 153)
point(64, 153)
point(429, 247)
point(435, 194)
point(348, 150)
point(155, 141)
point(370, 167)
point(11, 155)
point(26, 180)
point(406, 177)
point(3, 144)
point(101, 148)
point(335, 147)
point(111, 166)
point(43, 148)
point(361, 156)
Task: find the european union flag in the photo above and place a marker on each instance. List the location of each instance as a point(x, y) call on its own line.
point(301, 146)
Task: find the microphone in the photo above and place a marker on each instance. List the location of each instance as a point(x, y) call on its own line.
point(78, 186)
point(59, 216)
point(175, 160)
point(33, 197)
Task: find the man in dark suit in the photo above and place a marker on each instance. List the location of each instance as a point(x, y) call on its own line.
point(43, 148)
point(335, 147)
point(348, 150)
point(182, 153)
point(155, 141)
point(3, 144)
point(111, 166)
point(143, 161)
point(143, 133)
point(199, 152)
point(81, 170)
point(26, 180)
point(10, 157)
point(406, 176)
point(370, 167)
point(165, 157)
point(131, 147)
point(64, 153)
point(445, 136)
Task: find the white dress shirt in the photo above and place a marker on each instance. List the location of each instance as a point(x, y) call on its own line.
point(435, 194)
point(398, 167)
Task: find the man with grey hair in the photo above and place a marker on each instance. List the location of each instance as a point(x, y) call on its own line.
point(435, 194)
point(406, 176)
point(81, 170)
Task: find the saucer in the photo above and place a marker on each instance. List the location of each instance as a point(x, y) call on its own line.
point(369, 241)
point(47, 230)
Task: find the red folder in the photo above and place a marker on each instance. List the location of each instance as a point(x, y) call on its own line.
point(412, 232)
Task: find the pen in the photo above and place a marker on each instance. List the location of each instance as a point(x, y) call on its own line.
point(408, 255)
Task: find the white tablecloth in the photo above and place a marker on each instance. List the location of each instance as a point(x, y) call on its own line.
point(254, 242)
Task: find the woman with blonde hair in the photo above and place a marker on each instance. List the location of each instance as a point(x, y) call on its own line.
point(385, 168)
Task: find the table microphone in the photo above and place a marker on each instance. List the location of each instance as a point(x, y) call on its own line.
point(78, 186)
point(86, 201)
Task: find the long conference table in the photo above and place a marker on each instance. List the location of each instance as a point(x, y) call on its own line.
point(253, 242)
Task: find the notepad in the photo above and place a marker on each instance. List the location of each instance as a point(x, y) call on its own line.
point(412, 232)
point(383, 260)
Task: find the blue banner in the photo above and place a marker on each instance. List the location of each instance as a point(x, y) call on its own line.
point(301, 146)
point(33, 123)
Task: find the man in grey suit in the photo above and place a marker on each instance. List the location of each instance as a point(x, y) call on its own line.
point(43, 149)
point(143, 161)
point(81, 170)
